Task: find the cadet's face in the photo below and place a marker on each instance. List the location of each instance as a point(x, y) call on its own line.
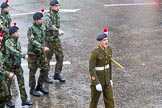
point(104, 42)
point(16, 34)
point(39, 22)
point(55, 7)
point(7, 9)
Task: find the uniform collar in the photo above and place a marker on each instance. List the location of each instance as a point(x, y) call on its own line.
point(54, 12)
point(14, 38)
point(3, 12)
point(39, 26)
point(101, 48)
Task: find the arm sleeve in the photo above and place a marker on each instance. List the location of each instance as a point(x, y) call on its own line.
point(11, 49)
point(49, 25)
point(3, 74)
point(32, 39)
point(2, 27)
point(92, 65)
point(110, 52)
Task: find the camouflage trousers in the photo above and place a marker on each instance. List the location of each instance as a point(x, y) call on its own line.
point(55, 48)
point(4, 94)
point(107, 96)
point(20, 78)
point(33, 64)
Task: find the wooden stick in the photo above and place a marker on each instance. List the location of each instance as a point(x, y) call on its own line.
point(116, 63)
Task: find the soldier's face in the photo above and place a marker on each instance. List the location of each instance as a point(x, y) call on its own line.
point(104, 42)
point(7, 9)
point(39, 21)
point(55, 7)
point(16, 34)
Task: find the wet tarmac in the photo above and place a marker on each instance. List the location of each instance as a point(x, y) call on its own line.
point(135, 33)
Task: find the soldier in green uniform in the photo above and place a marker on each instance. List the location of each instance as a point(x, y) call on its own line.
point(5, 23)
point(53, 31)
point(37, 57)
point(100, 72)
point(12, 63)
point(4, 94)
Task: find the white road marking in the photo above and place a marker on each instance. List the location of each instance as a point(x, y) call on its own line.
point(69, 10)
point(130, 4)
point(61, 10)
point(51, 63)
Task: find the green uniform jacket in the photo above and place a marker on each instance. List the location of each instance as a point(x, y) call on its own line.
point(5, 23)
point(36, 40)
point(13, 53)
point(52, 25)
point(100, 58)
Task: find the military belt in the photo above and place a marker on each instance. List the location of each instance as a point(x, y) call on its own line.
point(102, 68)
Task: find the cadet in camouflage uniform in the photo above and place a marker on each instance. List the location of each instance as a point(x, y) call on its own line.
point(100, 72)
point(4, 94)
point(53, 31)
point(12, 63)
point(5, 23)
point(5, 18)
point(4, 75)
point(37, 57)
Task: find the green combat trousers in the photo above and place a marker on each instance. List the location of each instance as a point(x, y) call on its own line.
point(33, 64)
point(107, 96)
point(20, 78)
point(55, 48)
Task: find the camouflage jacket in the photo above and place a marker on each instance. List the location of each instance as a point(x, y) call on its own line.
point(52, 25)
point(36, 40)
point(4, 94)
point(5, 22)
point(3, 75)
point(100, 66)
point(13, 53)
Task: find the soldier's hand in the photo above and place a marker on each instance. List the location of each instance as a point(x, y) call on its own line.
point(46, 49)
point(11, 75)
point(111, 82)
point(98, 87)
point(61, 32)
point(26, 57)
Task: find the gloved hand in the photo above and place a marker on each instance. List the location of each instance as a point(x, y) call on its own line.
point(98, 87)
point(111, 82)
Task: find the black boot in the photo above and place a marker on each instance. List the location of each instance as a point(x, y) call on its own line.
point(42, 89)
point(26, 102)
point(58, 77)
point(10, 104)
point(34, 92)
point(48, 80)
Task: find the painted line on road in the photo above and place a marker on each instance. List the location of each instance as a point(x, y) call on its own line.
point(130, 4)
point(51, 63)
point(61, 10)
